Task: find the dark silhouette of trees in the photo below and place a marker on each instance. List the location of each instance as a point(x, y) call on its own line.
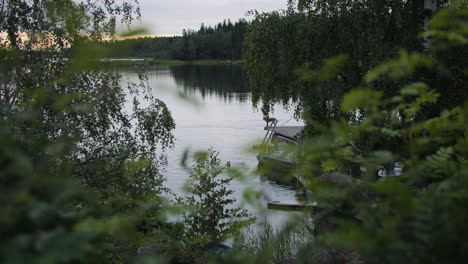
point(279, 45)
point(224, 41)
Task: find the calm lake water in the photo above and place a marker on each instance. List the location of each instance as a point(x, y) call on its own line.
point(218, 114)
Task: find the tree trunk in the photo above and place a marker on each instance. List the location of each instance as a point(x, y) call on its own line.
point(430, 7)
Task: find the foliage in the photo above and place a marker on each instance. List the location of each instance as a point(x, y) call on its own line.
point(79, 159)
point(48, 215)
point(399, 112)
point(224, 41)
point(79, 176)
point(281, 47)
point(414, 218)
point(212, 218)
point(272, 51)
point(40, 212)
point(269, 245)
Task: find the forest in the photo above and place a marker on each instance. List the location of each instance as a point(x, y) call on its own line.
point(83, 151)
point(224, 41)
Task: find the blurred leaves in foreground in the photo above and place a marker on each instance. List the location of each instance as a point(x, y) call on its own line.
point(80, 176)
point(81, 182)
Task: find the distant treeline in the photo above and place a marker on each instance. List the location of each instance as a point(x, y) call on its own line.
point(223, 41)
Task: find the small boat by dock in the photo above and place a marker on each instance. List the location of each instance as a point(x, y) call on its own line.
point(277, 163)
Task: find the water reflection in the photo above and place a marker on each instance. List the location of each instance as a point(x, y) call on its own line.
point(223, 118)
point(227, 82)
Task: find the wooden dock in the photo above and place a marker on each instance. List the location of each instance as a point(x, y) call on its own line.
point(288, 132)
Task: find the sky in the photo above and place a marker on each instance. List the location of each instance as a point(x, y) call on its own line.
point(170, 17)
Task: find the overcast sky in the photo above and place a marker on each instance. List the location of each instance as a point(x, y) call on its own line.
point(169, 17)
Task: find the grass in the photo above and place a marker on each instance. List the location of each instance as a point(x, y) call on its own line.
point(275, 246)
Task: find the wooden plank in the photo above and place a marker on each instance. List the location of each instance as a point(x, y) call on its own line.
point(287, 131)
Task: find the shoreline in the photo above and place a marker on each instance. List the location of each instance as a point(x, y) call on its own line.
point(121, 62)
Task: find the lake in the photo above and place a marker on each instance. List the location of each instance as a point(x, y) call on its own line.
point(212, 108)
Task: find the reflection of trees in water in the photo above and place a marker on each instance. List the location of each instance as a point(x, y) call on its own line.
point(227, 82)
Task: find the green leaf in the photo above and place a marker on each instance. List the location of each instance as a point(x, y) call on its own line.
point(361, 99)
